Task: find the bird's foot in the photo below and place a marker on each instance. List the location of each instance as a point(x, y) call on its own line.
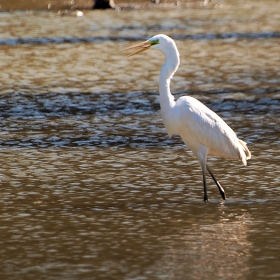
point(223, 195)
point(222, 191)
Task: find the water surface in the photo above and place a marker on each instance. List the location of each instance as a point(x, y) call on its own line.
point(91, 185)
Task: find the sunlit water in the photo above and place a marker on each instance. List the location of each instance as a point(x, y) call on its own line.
point(91, 185)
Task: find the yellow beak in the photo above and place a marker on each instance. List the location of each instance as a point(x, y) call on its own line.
point(143, 47)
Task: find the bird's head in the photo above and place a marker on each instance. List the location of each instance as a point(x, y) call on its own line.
point(159, 42)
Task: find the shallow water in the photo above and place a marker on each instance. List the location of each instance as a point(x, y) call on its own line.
point(92, 186)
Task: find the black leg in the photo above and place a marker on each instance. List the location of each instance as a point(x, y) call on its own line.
point(204, 185)
point(222, 192)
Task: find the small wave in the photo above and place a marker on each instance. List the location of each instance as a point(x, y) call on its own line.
point(141, 103)
point(55, 40)
point(91, 39)
point(114, 119)
point(236, 35)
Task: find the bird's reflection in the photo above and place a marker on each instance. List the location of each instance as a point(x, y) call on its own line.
point(209, 250)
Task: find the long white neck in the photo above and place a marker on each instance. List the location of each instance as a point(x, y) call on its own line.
point(168, 69)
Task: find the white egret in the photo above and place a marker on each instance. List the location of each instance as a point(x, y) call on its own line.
point(202, 130)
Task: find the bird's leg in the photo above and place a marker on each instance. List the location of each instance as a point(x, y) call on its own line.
point(204, 183)
point(222, 192)
point(202, 157)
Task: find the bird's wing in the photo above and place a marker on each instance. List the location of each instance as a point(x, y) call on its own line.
point(202, 125)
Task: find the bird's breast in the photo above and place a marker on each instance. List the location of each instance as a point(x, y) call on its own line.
point(170, 122)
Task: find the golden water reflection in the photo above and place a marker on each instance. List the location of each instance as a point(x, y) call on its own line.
point(209, 251)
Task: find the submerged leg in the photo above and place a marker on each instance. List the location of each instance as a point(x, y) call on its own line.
point(222, 192)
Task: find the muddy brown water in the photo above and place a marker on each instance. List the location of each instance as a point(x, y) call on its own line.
point(91, 185)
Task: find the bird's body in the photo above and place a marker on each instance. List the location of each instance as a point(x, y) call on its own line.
point(199, 126)
point(201, 129)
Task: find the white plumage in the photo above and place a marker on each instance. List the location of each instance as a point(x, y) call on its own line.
point(202, 130)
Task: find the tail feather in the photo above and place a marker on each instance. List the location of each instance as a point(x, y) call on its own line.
point(246, 153)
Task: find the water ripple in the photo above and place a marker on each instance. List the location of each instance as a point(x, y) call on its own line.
point(115, 119)
point(91, 39)
point(20, 105)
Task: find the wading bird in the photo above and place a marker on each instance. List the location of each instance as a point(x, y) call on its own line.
point(202, 130)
